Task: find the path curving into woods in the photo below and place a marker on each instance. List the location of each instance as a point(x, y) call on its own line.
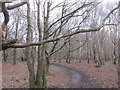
point(78, 79)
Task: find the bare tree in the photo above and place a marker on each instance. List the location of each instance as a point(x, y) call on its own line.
point(51, 32)
point(29, 61)
point(119, 49)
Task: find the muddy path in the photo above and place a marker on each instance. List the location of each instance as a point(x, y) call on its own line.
point(78, 79)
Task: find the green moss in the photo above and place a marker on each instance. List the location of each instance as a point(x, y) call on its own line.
point(43, 84)
point(32, 84)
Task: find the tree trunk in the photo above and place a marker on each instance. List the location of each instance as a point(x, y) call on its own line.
point(14, 59)
point(4, 55)
point(42, 62)
point(119, 62)
point(29, 61)
point(41, 72)
point(94, 54)
point(119, 51)
point(47, 64)
point(1, 61)
point(16, 34)
point(87, 40)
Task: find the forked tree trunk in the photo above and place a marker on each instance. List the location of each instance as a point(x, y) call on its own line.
point(42, 62)
point(41, 67)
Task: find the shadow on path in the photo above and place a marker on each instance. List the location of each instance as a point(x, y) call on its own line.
point(79, 79)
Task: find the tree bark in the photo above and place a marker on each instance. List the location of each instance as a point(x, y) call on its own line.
point(16, 34)
point(119, 62)
point(119, 50)
point(29, 61)
point(4, 56)
point(42, 60)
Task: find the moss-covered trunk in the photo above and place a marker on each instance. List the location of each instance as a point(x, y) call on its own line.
point(41, 72)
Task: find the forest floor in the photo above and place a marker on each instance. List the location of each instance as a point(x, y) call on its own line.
point(16, 76)
point(79, 79)
point(105, 76)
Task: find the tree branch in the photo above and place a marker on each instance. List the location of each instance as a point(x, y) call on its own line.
point(10, 7)
point(51, 40)
point(6, 43)
point(63, 36)
point(6, 16)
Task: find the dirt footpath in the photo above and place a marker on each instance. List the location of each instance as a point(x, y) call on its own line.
point(78, 79)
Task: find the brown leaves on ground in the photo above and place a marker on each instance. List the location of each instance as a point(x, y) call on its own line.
point(58, 78)
point(106, 75)
point(16, 76)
